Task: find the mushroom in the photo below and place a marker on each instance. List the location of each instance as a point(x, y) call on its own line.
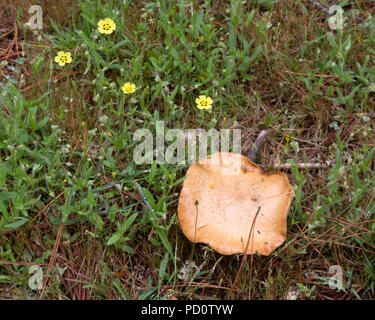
point(229, 203)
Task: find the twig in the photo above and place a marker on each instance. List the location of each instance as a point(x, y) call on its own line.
point(16, 37)
point(368, 114)
point(56, 77)
point(22, 263)
point(52, 260)
point(252, 250)
point(45, 208)
point(318, 5)
point(6, 33)
point(301, 165)
point(259, 142)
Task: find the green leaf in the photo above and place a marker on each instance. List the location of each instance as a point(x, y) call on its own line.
point(120, 44)
point(227, 79)
point(197, 20)
point(21, 221)
point(41, 123)
point(116, 237)
point(128, 223)
point(37, 101)
point(235, 19)
point(7, 195)
point(163, 266)
point(164, 239)
point(3, 173)
point(155, 64)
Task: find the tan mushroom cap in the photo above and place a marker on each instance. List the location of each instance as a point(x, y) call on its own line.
point(230, 189)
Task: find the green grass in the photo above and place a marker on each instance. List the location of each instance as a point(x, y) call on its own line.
point(66, 147)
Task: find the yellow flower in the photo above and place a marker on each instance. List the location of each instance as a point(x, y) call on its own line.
point(106, 26)
point(204, 102)
point(128, 88)
point(266, 16)
point(63, 57)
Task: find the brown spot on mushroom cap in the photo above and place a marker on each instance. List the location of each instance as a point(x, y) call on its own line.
point(227, 211)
